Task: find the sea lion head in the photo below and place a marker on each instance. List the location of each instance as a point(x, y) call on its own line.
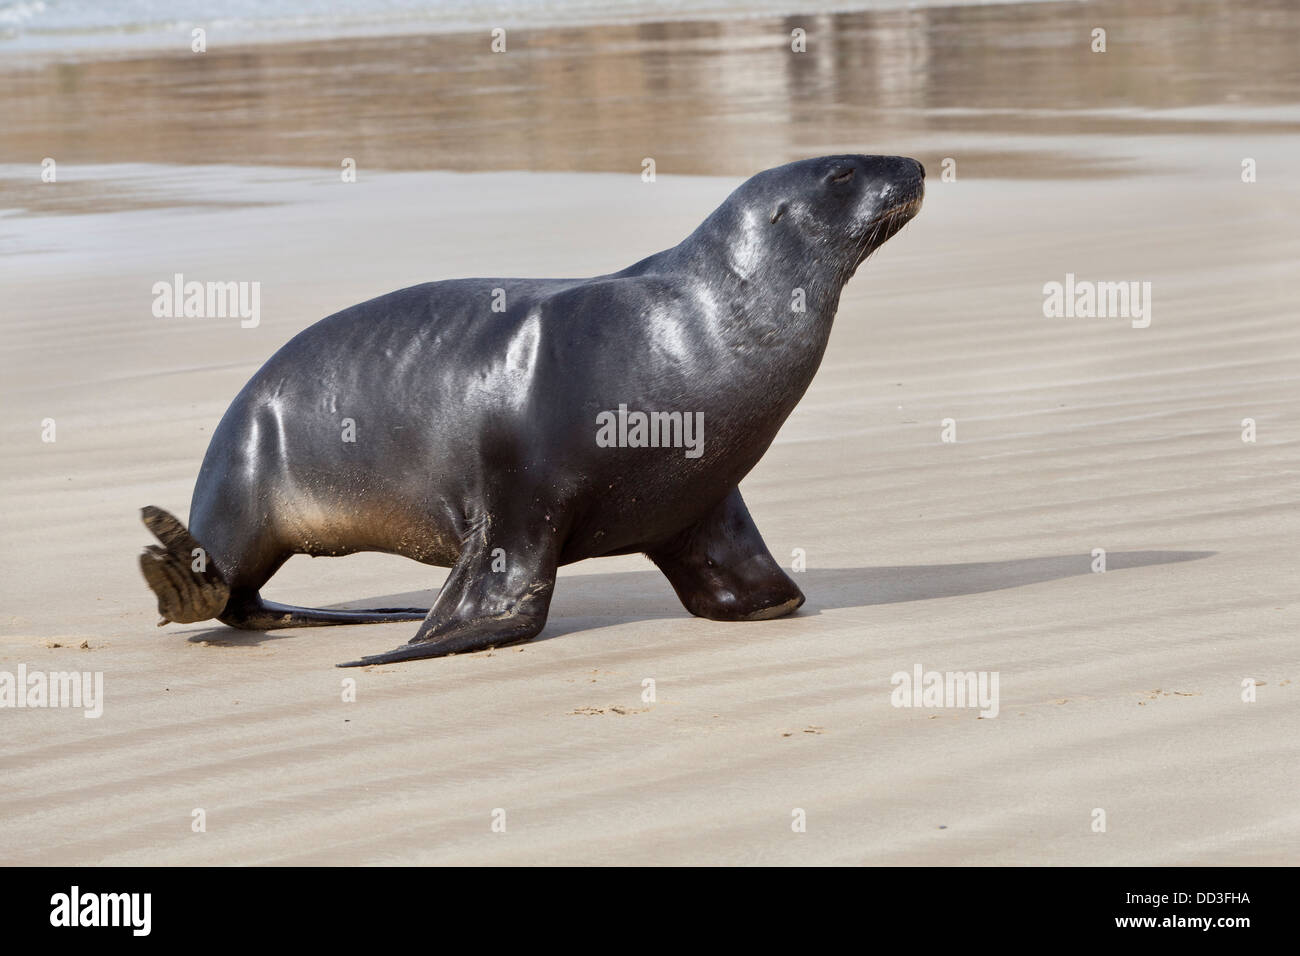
point(836, 209)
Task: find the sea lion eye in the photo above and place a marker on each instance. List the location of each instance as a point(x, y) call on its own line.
point(841, 176)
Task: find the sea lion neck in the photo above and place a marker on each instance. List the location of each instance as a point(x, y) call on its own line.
point(741, 257)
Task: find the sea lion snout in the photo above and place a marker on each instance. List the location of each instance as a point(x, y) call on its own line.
point(888, 196)
point(901, 181)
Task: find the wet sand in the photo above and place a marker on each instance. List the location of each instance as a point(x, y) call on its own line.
point(1013, 90)
point(1119, 690)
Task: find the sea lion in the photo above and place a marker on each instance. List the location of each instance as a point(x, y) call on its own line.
point(504, 427)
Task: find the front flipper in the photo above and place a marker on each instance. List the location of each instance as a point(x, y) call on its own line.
point(497, 594)
point(722, 570)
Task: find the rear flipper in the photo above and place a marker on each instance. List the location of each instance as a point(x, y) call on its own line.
point(190, 588)
point(254, 614)
point(187, 584)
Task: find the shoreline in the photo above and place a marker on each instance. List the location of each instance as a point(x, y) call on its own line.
point(698, 97)
point(233, 34)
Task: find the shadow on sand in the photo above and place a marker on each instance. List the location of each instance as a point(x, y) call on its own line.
point(581, 600)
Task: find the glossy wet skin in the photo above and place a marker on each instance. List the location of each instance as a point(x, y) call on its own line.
point(476, 430)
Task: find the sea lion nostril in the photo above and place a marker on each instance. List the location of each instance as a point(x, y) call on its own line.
point(920, 167)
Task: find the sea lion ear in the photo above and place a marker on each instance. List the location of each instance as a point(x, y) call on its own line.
point(778, 212)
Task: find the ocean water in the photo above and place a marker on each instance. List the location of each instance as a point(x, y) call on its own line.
point(1013, 89)
point(72, 25)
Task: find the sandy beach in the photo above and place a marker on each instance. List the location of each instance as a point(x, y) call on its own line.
point(1120, 691)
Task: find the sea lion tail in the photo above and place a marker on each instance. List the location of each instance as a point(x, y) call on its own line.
point(189, 587)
